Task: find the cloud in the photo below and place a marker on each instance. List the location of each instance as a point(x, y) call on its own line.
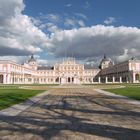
point(73, 23)
point(9, 8)
point(81, 15)
point(42, 62)
point(18, 33)
point(124, 56)
point(13, 51)
point(81, 23)
point(93, 42)
point(51, 17)
point(36, 21)
point(86, 5)
point(51, 27)
point(109, 20)
point(21, 35)
point(17, 59)
point(53, 22)
point(68, 5)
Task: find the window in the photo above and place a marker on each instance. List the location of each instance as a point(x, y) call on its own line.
point(137, 66)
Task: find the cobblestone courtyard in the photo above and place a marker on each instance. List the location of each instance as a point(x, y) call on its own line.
point(74, 114)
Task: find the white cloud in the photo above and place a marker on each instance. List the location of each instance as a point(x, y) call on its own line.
point(124, 56)
point(23, 59)
point(68, 5)
point(42, 61)
point(109, 20)
point(22, 35)
point(10, 8)
point(89, 42)
point(74, 22)
point(18, 33)
point(81, 23)
point(18, 59)
point(86, 5)
point(69, 22)
point(36, 21)
point(52, 27)
point(51, 17)
point(81, 15)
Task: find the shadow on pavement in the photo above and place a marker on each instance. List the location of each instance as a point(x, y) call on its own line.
point(52, 125)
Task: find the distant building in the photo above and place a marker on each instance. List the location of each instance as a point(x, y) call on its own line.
point(127, 71)
point(61, 73)
point(106, 62)
point(69, 72)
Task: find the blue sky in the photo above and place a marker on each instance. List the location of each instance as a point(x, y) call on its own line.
point(126, 12)
point(84, 29)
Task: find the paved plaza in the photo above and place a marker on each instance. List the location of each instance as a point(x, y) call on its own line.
point(79, 113)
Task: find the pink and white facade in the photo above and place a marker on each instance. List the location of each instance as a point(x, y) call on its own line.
point(69, 72)
point(61, 73)
point(125, 72)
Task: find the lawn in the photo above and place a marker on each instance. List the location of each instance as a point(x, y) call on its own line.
point(131, 91)
point(10, 95)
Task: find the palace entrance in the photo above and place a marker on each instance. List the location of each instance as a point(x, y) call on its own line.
point(70, 79)
point(1, 79)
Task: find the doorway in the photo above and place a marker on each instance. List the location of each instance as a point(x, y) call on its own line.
point(137, 77)
point(1, 78)
point(69, 80)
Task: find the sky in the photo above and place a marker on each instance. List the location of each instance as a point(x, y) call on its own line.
point(83, 29)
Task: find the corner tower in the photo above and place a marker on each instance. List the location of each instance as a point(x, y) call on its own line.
point(105, 63)
point(32, 62)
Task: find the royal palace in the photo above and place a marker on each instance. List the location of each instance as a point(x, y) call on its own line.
point(69, 72)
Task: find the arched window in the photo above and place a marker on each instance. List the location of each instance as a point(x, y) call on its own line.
point(137, 77)
point(1, 78)
point(69, 79)
point(72, 79)
point(57, 79)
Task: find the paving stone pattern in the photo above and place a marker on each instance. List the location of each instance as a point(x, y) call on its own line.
point(74, 114)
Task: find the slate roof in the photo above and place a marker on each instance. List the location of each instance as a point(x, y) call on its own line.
point(89, 67)
point(32, 59)
point(45, 68)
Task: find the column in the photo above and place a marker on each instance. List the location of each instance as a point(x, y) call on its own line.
point(127, 79)
point(74, 80)
point(134, 78)
point(106, 79)
point(23, 80)
point(8, 79)
point(59, 80)
point(113, 80)
point(99, 79)
point(18, 79)
point(32, 79)
point(70, 79)
point(4, 79)
point(120, 79)
point(13, 80)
